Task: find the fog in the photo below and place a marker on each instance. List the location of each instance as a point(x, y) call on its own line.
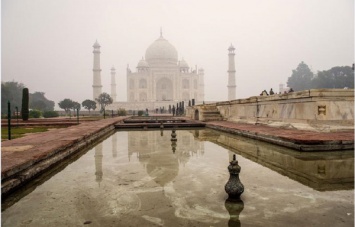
point(47, 44)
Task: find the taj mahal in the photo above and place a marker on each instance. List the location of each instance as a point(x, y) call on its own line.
point(159, 80)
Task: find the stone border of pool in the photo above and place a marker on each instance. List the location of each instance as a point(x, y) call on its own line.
point(24, 158)
point(292, 138)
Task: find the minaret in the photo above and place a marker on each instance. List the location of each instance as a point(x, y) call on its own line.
point(231, 74)
point(113, 84)
point(201, 79)
point(97, 87)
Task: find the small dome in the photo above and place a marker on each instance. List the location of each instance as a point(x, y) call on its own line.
point(161, 50)
point(142, 64)
point(183, 64)
point(96, 44)
point(113, 68)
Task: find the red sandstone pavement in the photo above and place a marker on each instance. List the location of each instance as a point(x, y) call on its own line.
point(293, 135)
point(22, 152)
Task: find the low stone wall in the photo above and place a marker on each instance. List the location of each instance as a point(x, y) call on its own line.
point(315, 109)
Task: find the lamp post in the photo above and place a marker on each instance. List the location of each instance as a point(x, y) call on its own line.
point(77, 115)
point(8, 120)
point(16, 115)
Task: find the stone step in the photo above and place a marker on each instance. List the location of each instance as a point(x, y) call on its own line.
point(213, 118)
point(211, 113)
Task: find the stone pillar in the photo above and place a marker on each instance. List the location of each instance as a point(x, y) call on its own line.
point(97, 87)
point(231, 74)
point(113, 84)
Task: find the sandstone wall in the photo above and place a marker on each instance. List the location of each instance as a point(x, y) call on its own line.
point(315, 109)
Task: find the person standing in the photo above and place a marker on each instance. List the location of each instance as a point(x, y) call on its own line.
point(271, 92)
point(173, 109)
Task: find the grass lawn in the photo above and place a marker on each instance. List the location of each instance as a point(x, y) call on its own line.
point(17, 132)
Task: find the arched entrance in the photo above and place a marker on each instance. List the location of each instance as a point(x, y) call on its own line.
point(196, 115)
point(164, 90)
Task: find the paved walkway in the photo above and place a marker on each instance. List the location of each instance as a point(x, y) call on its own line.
point(293, 138)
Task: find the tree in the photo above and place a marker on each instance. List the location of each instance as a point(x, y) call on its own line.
point(336, 77)
point(39, 102)
point(104, 99)
point(38, 105)
point(25, 102)
point(66, 104)
point(12, 92)
point(301, 78)
point(89, 104)
point(76, 106)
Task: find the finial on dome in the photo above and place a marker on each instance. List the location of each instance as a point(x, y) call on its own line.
point(161, 32)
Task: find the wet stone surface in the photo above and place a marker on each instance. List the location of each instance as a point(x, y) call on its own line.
point(135, 179)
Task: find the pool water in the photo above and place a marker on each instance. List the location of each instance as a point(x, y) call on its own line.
point(137, 178)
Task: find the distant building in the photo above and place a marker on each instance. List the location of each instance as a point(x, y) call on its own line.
point(160, 80)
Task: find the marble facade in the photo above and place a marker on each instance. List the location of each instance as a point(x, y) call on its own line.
point(161, 80)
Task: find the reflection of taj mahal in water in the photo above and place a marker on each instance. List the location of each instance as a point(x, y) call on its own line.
point(144, 177)
point(160, 79)
point(154, 151)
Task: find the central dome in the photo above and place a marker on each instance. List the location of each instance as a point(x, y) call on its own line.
point(161, 51)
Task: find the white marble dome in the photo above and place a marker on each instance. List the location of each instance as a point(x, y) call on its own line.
point(161, 50)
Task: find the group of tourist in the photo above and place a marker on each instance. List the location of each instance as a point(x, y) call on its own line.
point(175, 111)
point(264, 92)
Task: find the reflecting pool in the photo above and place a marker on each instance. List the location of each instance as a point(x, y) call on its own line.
point(141, 178)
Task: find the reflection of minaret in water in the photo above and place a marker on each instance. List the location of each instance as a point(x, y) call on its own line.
point(98, 163)
point(114, 145)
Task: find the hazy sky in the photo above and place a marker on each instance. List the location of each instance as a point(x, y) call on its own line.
point(47, 44)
